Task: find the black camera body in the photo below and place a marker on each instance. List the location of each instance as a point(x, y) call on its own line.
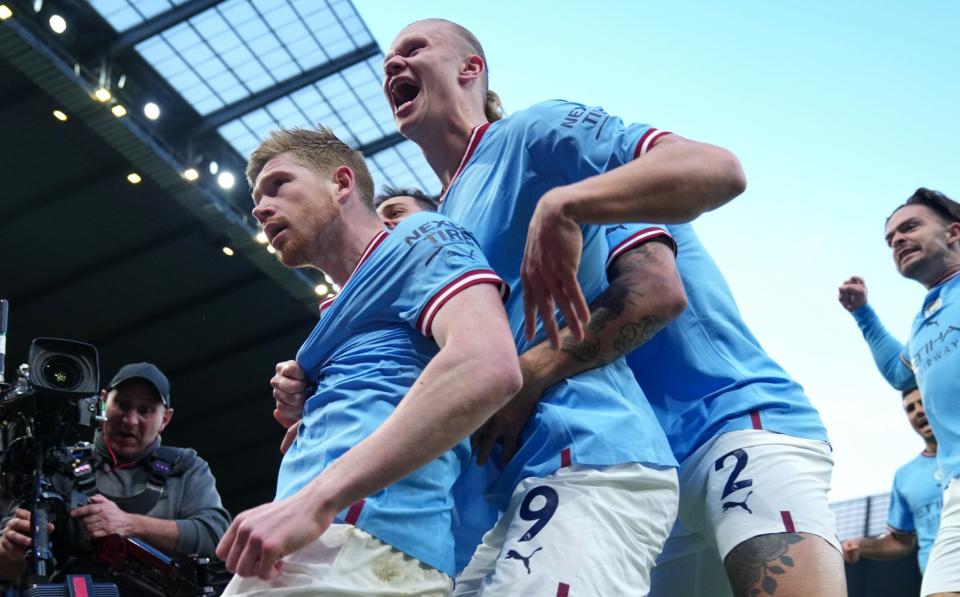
point(48, 418)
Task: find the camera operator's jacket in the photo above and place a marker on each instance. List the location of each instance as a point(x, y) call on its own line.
point(189, 494)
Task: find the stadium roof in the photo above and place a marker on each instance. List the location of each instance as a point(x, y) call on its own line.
point(138, 269)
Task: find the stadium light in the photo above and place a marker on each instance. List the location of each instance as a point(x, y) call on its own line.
point(102, 94)
point(321, 289)
point(5, 12)
point(214, 167)
point(261, 237)
point(226, 180)
point(37, 5)
point(60, 115)
point(271, 250)
point(227, 251)
point(58, 23)
point(118, 111)
point(134, 178)
point(151, 110)
point(191, 174)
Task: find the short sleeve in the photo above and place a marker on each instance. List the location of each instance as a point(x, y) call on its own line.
point(899, 516)
point(624, 237)
point(576, 141)
point(441, 260)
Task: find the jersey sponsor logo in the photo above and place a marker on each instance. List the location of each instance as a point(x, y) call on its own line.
point(933, 307)
point(515, 555)
point(586, 116)
point(439, 232)
point(935, 349)
point(735, 504)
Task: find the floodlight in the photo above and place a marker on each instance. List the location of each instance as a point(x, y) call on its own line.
point(58, 23)
point(214, 167)
point(103, 94)
point(5, 12)
point(227, 251)
point(151, 110)
point(134, 178)
point(118, 110)
point(60, 115)
point(226, 180)
point(261, 237)
point(191, 174)
point(321, 289)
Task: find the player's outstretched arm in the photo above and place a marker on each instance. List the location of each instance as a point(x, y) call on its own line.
point(888, 353)
point(475, 372)
point(891, 546)
point(676, 181)
point(644, 296)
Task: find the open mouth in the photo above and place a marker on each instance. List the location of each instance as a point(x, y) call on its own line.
point(273, 231)
point(904, 254)
point(403, 92)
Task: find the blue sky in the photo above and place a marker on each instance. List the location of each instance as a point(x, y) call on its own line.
point(838, 112)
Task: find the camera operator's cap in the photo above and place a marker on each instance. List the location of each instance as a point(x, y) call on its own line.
point(147, 371)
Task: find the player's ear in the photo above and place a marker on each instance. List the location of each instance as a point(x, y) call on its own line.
point(953, 232)
point(344, 180)
point(472, 67)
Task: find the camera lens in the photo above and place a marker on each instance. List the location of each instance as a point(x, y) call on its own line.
point(62, 373)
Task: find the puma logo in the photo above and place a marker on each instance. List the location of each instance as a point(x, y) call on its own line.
point(731, 504)
point(513, 555)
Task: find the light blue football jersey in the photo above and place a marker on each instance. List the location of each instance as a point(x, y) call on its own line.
point(370, 345)
point(599, 417)
point(888, 353)
point(934, 356)
point(705, 373)
point(916, 501)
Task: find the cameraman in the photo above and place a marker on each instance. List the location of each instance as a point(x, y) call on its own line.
point(164, 496)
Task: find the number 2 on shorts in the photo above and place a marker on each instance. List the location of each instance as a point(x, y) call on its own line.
point(732, 483)
point(543, 514)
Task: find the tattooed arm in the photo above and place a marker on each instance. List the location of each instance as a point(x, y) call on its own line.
point(645, 294)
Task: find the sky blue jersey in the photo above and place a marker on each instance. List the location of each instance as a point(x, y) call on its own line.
point(934, 355)
point(370, 345)
point(705, 373)
point(599, 417)
point(915, 502)
point(888, 353)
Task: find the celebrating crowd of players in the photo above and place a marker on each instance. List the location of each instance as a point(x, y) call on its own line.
point(641, 443)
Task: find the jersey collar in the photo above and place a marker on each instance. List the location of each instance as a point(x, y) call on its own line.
point(475, 135)
point(371, 247)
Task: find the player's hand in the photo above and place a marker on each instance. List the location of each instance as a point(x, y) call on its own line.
point(853, 293)
point(101, 517)
point(289, 391)
point(507, 423)
point(289, 436)
point(851, 551)
point(258, 539)
point(549, 271)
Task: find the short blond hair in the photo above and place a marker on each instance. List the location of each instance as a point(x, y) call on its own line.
point(318, 149)
point(492, 106)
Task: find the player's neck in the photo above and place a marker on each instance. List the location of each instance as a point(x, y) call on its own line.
point(949, 272)
point(444, 146)
point(931, 449)
point(338, 253)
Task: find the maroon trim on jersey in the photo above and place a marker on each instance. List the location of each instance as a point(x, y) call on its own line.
point(638, 238)
point(648, 140)
point(471, 278)
point(755, 419)
point(475, 135)
point(565, 458)
point(788, 521)
point(371, 247)
point(353, 514)
point(563, 590)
